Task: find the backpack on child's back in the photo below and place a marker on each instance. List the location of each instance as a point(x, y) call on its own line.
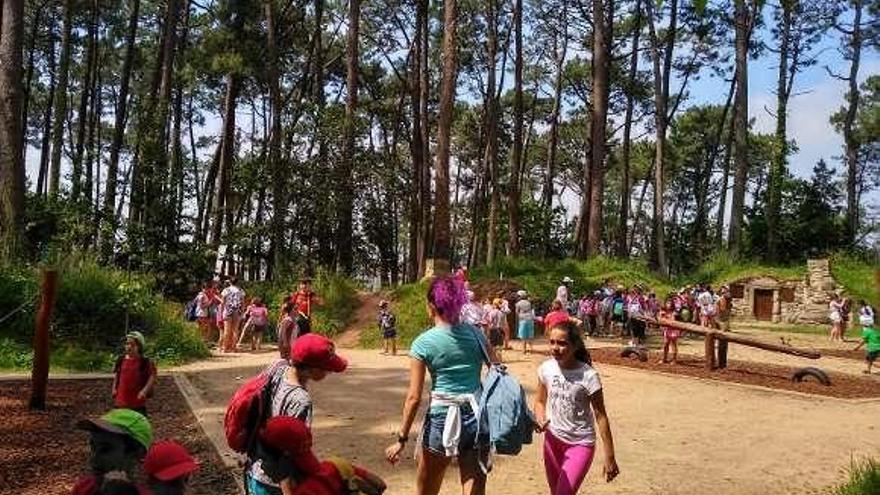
point(250, 407)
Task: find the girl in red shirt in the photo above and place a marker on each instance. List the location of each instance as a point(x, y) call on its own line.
point(135, 376)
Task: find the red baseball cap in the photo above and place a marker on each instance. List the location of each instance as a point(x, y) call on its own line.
point(317, 351)
point(293, 437)
point(168, 460)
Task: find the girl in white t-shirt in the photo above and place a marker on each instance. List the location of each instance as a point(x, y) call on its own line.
point(569, 395)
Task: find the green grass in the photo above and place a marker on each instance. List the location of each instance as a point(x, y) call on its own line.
point(541, 277)
point(88, 327)
point(864, 479)
point(784, 327)
point(723, 269)
point(857, 277)
point(408, 306)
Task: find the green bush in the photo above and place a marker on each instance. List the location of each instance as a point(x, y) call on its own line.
point(89, 321)
point(864, 479)
point(338, 293)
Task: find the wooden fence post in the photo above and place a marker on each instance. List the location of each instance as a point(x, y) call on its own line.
point(40, 370)
point(710, 350)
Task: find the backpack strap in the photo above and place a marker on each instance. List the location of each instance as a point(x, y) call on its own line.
point(482, 344)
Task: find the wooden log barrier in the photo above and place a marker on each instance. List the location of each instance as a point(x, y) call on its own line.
point(712, 335)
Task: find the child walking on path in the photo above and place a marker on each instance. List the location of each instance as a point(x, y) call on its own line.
point(871, 337)
point(135, 375)
point(525, 316)
point(670, 335)
point(569, 395)
point(388, 326)
point(256, 318)
point(287, 330)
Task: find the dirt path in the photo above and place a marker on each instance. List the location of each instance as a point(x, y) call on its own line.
point(673, 435)
point(364, 319)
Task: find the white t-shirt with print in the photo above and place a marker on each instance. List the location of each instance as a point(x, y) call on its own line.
point(568, 401)
point(562, 295)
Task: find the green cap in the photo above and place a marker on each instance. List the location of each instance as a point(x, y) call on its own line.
point(138, 337)
point(123, 422)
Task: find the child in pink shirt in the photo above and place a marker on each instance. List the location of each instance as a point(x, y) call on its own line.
point(670, 335)
point(257, 317)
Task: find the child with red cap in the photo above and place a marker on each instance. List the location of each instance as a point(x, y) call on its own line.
point(312, 356)
point(168, 467)
point(286, 449)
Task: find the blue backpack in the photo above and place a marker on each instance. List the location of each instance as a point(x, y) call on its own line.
point(189, 312)
point(504, 411)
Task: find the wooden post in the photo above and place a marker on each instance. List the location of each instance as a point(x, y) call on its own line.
point(710, 350)
point(40, 371)
point(722, 353)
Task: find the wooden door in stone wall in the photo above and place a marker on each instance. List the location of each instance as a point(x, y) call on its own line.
point(763, 304)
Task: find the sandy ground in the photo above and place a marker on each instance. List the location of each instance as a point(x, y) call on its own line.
point(673, 435)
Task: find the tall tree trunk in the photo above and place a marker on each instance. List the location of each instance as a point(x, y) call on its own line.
point(700, 227)
point(60, 102)
point(83, 112)
point(222, 209)
point(29, 75)
point(491, 157)
point(43, 176)
point(416, 202)
point(850, 140)
point(93, 155)
point(11, 100)
point(345, 204)
point(661, 120)
point(442, 252)
point(108, 229)
point(601, 60)
point(276, 167)
point(725, 178)
point(560, 47)
point(424, 97)
point(742, 20)
point(780, 157)
point(513, 205)
point(625, 181)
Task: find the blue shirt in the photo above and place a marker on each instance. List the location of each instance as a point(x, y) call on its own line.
point(453, 358)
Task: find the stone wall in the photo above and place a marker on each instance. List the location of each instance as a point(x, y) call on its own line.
point(811, 296)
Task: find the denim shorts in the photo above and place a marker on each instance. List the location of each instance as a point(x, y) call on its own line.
point(432, 431)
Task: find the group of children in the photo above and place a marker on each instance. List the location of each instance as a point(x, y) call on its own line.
point(232, 317)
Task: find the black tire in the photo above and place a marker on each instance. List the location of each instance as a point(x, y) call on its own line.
point(812, 371)
point(638, 352)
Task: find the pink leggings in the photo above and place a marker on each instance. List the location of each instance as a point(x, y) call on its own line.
point(566, 464)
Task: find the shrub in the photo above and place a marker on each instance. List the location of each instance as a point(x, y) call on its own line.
point(338, 293)
point(89, 321)
point(864, 479)
point(856, 275)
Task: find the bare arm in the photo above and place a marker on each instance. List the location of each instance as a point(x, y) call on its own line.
point(597, 401)
point(411, 405)
point(541, 407)
point(287, 486)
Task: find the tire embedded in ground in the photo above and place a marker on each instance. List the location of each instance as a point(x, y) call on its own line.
point(638, 352)
point(812, 371)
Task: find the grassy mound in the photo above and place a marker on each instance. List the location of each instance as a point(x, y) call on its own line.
point(723, 269)
point(93, 305)
point(338, 293)
point(539, 278)
point(856, 276)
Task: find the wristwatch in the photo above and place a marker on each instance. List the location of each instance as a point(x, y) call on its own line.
point(402, 439)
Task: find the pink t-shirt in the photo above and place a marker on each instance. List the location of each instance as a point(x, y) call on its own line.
point(259, 315)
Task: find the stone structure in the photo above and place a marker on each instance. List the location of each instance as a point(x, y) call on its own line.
point(787, 301)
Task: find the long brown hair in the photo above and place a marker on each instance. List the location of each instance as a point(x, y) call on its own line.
point(573, 336)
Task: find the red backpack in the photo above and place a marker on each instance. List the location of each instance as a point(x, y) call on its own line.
point(249, 408)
